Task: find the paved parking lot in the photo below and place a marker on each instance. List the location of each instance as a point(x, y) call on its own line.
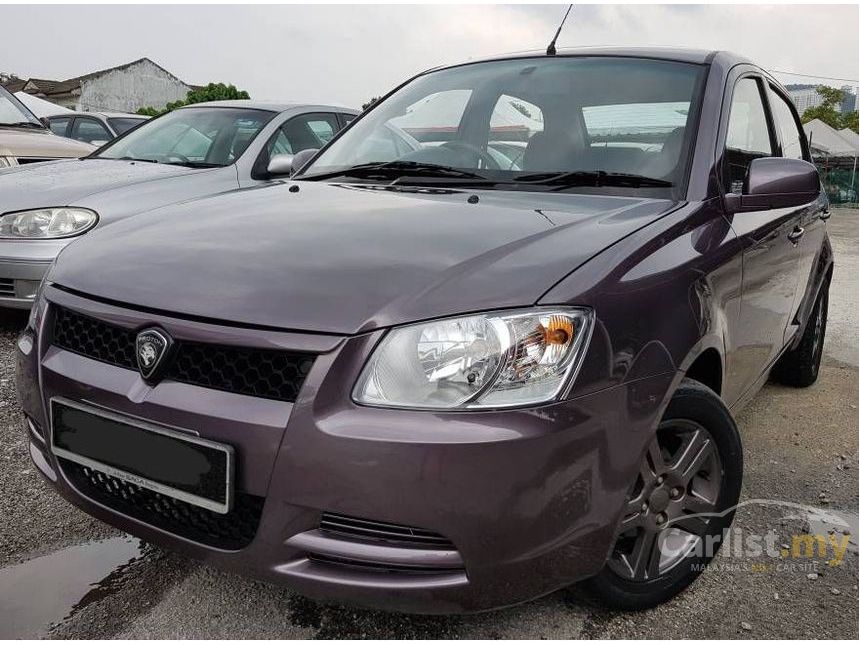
point(64, 574)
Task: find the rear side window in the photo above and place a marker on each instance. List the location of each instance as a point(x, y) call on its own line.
point(783, 117)
point(121, 124)
point(748, 136)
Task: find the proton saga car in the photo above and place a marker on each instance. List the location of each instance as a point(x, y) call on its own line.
point(435, 378)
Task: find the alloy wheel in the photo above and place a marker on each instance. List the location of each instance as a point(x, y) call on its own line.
point(670, 507)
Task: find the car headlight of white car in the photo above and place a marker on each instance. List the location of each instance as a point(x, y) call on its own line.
point(491, 360)
point(47, 223)
point(7, 162)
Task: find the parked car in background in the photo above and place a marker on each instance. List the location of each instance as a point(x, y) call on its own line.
point(196, 150)
point(418, 379)
point(96, 128)
point(24, 139)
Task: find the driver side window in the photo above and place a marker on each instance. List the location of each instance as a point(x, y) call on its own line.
point(748, 135)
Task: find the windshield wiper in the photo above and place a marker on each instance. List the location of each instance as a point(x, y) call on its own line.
point(127, 159)
point(595, 178)
point(397, 170)
point(192, 164)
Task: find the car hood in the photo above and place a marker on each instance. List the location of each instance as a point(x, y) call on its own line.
point(76, 182)
point(345, 259)
point(18, 142)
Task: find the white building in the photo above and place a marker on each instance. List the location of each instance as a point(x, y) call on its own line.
point(805, 98)
point(124, 88)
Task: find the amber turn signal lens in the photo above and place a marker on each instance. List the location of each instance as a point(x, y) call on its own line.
point(559, 331)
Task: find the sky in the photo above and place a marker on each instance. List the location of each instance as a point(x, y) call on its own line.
point(348, 54)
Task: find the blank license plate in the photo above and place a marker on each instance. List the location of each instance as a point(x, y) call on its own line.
point(167, 461)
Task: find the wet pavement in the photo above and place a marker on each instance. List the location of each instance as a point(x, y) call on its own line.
point(66, 575)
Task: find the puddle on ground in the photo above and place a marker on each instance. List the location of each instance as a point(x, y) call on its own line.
point(50, 588)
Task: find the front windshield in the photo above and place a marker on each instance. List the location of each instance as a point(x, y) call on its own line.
point(583, 121)
point(197, 137)
point(13, 112)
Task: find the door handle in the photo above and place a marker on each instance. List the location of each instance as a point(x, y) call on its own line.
point(796, 234)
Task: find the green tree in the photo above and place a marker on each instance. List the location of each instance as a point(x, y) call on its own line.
point(211, 92)
point(369, 103)
point(827, 111)
point(850, 120)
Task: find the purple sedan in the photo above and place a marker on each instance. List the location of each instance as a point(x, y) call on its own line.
point(485, 344)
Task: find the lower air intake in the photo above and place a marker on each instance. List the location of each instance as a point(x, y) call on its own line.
point(355, 527)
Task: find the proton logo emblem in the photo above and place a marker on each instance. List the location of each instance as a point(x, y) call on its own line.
point(152, 346)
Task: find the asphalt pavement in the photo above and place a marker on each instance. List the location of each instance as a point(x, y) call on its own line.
point(64, 574)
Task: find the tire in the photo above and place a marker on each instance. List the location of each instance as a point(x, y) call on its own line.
point(715, 478)
point(798, 367)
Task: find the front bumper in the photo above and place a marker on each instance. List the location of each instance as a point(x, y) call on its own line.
point(529, 499)
point(23, 264)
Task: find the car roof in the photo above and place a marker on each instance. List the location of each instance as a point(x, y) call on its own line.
point(106, 115)
point(119, 115)
point(272, 106)
point(683, 55)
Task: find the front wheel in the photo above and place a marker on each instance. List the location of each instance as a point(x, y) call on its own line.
point(680, 506)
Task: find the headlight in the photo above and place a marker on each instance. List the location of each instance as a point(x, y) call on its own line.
point(7, 162)
point(44, 223)
point(484, 361)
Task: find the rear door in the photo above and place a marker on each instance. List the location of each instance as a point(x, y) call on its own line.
point(770, 253)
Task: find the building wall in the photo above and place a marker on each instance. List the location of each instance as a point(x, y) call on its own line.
point(129, 89)
point(805, 98)
point(849, 103)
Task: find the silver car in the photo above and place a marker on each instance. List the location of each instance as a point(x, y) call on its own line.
point(96, 128)
point(191, 152)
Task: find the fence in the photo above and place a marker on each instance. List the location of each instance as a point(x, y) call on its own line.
point(839, 175)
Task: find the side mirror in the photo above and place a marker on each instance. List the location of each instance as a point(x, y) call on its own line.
point(776, 182)
point(280, 165)
point(286, 165)
point(302, 158)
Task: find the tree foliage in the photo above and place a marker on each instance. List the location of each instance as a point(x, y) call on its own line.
point(211, 92)
point(827, 112)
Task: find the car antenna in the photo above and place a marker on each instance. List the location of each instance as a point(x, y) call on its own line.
point(550, 51)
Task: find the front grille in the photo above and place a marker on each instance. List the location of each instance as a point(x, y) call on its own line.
point(264, 373)
point(94, 338)
point(382, 531)
point(7, 287)
point(232, 531)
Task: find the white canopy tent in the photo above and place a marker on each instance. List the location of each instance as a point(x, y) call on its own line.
point(41, 107)
point(824, 139)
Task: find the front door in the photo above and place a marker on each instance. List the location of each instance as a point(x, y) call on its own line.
point(769, 239)
point(792, 144)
